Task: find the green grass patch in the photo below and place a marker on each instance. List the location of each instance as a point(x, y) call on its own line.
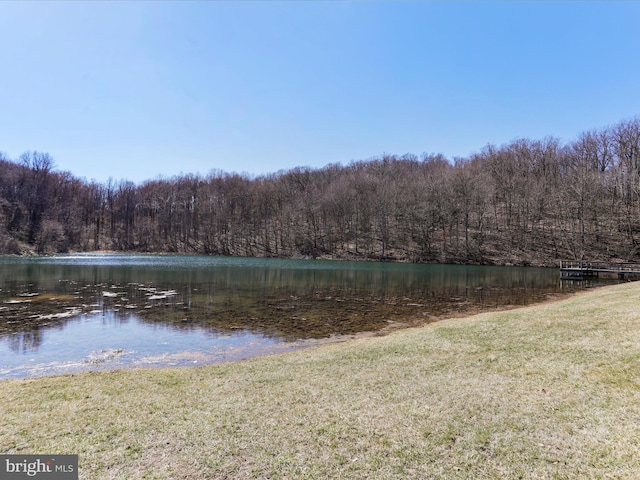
point(549, 391)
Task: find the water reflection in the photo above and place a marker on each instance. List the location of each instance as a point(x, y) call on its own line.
point(25, 341)
point(251, 301)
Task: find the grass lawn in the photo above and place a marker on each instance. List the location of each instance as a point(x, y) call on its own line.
point(548, 391)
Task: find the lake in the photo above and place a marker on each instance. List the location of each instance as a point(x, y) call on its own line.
point(81, 312)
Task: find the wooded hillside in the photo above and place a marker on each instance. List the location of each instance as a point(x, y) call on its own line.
point(528, 202)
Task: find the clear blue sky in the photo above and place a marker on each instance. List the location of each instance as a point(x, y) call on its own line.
point(138, 90)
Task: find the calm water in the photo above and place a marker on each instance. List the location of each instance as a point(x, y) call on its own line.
point(87, 312)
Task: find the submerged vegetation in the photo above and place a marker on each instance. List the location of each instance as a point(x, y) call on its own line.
point(549, 391)
point(524, 203)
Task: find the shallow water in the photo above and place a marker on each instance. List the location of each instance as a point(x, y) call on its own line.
point(87, 312)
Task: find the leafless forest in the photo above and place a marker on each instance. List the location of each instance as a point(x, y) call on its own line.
point(530, 202)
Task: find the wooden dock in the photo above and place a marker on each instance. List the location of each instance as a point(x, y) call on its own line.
point(581, 269)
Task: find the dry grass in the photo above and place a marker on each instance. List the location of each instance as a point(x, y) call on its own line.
point(549, 391)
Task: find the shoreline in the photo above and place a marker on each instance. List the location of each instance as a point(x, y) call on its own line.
point(541, 391)
point(491, 262)
point(197, 358)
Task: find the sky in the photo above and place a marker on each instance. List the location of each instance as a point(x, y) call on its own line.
point(153, 89)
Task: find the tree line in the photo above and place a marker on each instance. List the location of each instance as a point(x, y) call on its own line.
point(528, 202)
